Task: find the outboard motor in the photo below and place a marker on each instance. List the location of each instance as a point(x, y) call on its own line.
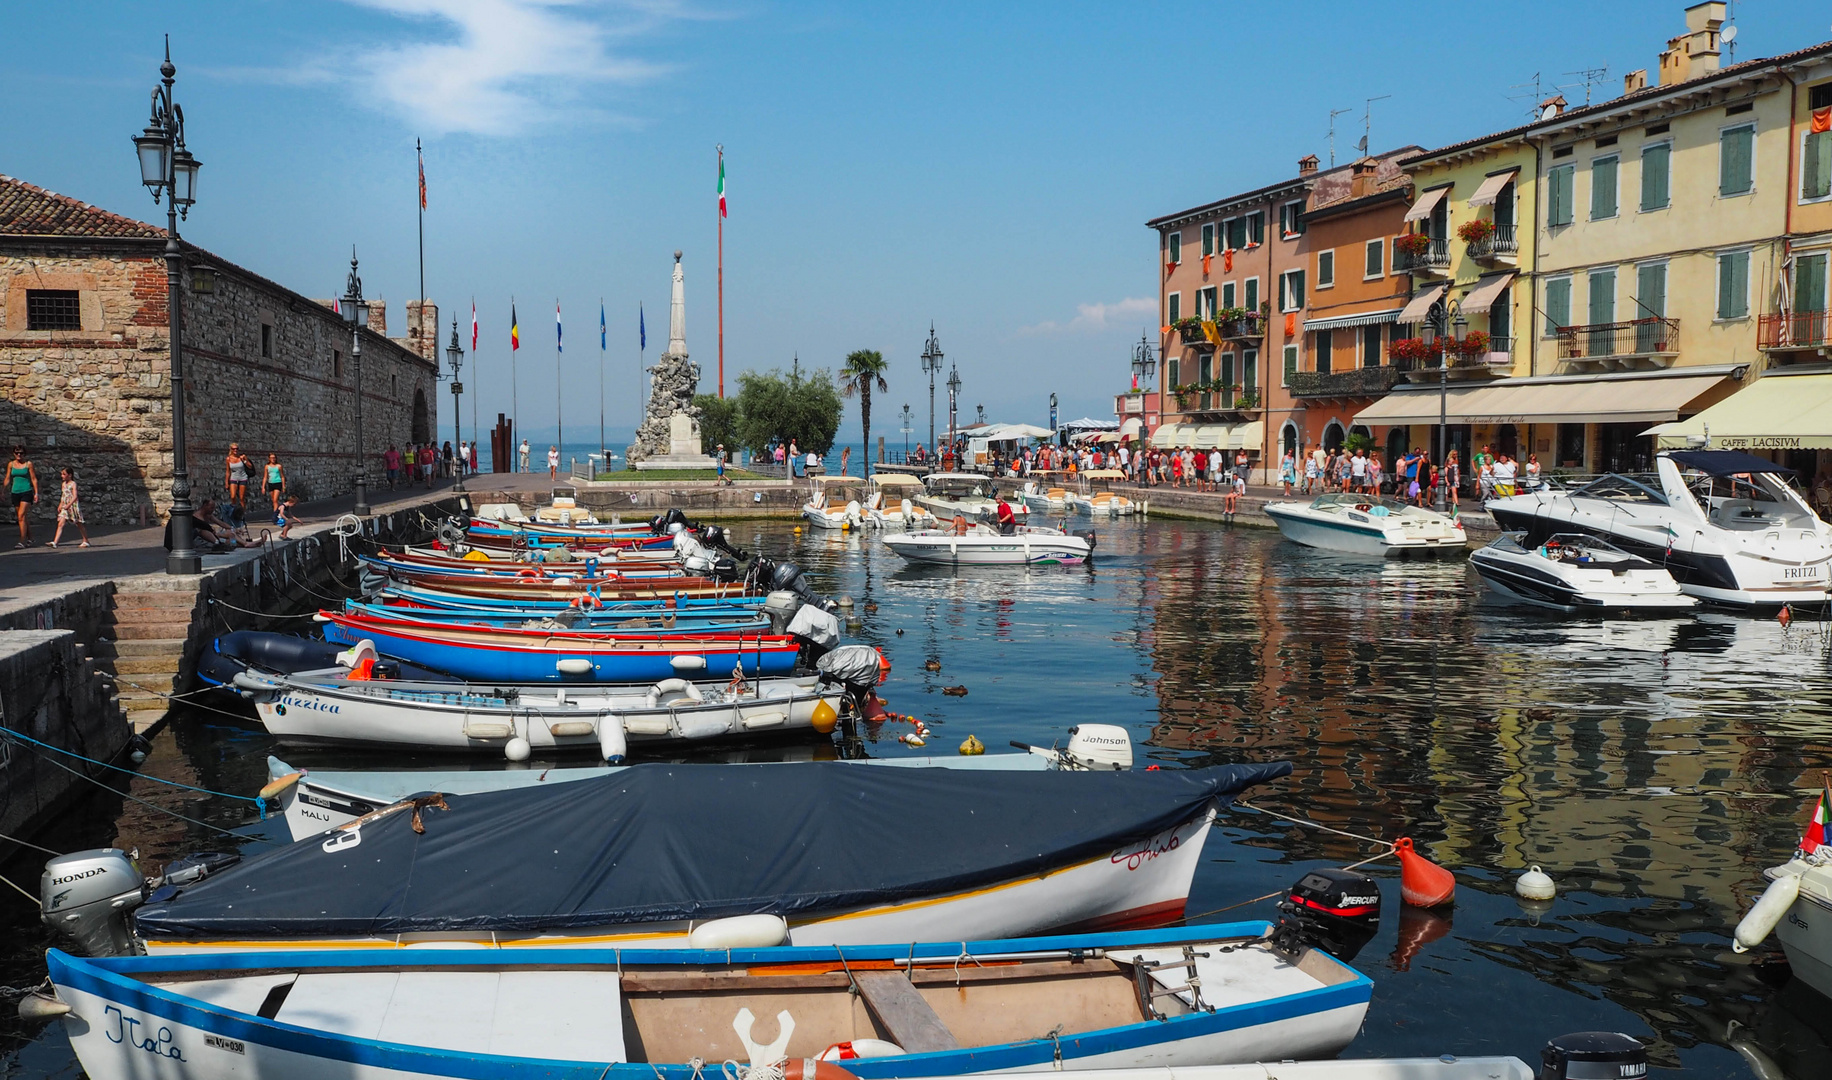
point(1335, 910)
point(453, 535)
point(1593, 1055)
point(1088, 535)
point(86, 896)
point(781, 606)
point(857, 668)
point(1100, 746)
point(716, 536)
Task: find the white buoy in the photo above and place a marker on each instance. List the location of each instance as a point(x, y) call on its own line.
point(1775, 902)
point(612, 744)
point(1535, 885)
point(516, 749)
point(845, 601)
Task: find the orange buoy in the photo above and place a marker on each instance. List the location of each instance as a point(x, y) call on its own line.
point(1422, 883)
point(1417, 929)
point(884, 667)
point(814, 1069)
point(1784, 616)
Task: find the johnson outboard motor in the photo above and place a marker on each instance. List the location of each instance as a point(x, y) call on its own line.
point(1335, 910)
point(1593, 1055)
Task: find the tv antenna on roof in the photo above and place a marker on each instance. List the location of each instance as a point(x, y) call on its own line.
point(1591, 77)
point(1367, 121)
point(1530, 93)
point(1333, 113)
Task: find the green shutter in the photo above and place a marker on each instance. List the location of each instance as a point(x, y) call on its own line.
point(1208, 239)
point(1816, 166)
point(1651, 291)
point(1501, 317)
point(1601, 286)
point(1205, 368)
point(1376, 258)
point(1176, 247)
point(1227, 294)
point(1558, 305)
point(1325, 351)
point(1249, 368)
point(1253, 302)
point(1733, 285)
point(1291, 360)
point(1809, 284)
point(1176, 307)
point(1736, 160)
point(1227, 369)
point(1656, 174)
point(1326, 268)
point(1256, 227)
point(1558, 195)
point(1603, 188)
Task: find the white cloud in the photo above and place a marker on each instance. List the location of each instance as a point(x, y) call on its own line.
point(505, 67)
point(1094, 318)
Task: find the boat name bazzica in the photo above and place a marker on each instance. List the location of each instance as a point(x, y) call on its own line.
point(292, 701)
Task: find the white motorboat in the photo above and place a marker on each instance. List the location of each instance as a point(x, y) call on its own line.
point(1101, 503)
point(330, 706)
point(968, 496)
point(318, 800)
point(1367, 525)
point(1578, 572)
point(983, 545)
point(1050, 500)
point(1726, 525)
point(890, 505)
point(829, 505)
point(1797, 908)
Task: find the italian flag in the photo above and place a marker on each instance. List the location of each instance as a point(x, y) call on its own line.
point(1816, 829)
point(721, 185)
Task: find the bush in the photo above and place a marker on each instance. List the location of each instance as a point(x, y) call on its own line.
point(718, 421)
point(771, 405)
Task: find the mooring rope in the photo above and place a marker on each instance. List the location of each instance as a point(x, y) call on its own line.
point(259, 802)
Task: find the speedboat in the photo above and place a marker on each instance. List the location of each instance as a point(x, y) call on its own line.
point(983, 545)
point(1797, 908)
point(1726, 525)
point(968, 496)
point(1102, 503)
point(890, 506)
point(1578, 572)
point(1367, 525)
point(1053, 500)
point(827, 510)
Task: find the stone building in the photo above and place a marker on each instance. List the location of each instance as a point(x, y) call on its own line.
point(85, 368)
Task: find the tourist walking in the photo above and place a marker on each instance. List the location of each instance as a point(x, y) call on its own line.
point(236, 468)
point(553, 462)
point(1313, 470)
point(275, 483)
point(1533, 472)
point(1288, 471)
point(1374, 475)
point(1358, 472)
point(1453, 475)
point(68, 509)
point(1506, 469)
point(473, 459)
point(846, 461)
point(446, 459)
point(391, 464)
point(524, 455)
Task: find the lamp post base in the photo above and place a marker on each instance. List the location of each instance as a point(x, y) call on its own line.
point(361, 509)
point(191, 563)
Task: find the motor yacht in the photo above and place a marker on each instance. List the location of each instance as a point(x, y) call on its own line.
point(1726, 525)
point(983, 545)
point(1367, 525)
point(1578, 572)
point(964, 495)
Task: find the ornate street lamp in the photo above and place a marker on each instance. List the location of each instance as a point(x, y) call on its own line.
point(954, 393)
point(1052, 413)
point(906, 429)
point(931, 363)
point(455, 357)
point(1145, 367)
point(168, 169)
point(356, 312)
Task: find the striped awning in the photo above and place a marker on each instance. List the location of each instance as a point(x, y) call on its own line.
point(1487, 290)
point(1419, 306)
point(1428, 202)
point(1165, 436)
point(1343, 322)
point(1491, 187)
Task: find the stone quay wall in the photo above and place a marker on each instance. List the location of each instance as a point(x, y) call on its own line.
point(49, 692)
point(264, 366)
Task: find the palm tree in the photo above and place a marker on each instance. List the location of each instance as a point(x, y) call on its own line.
point(863, 368)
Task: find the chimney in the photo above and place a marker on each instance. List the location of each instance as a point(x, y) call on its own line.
point(1361, 177)
point(1307, 165)
point(378, 316)
point(1694, 53)
point(423, 328)
point(1552, 106)
point(1635, 80)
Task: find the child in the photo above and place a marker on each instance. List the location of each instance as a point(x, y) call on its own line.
point(69, 509)
point(288, 516)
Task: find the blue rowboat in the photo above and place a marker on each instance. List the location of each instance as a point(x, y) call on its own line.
point(655, 622)
point(425, 596)
point(588, 568)
point(497, 654)
point(1183, 997)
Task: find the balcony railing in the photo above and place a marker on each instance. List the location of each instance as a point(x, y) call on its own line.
point(1794, 330)
point(1249, 328)
point(1502, 243)
point(1603, 341)
point(1361, 382)
point(1434, 259)
point(1190, 331)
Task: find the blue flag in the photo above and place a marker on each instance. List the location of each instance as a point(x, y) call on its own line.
point(642, 328)
point(603, 340)
point(559, 332)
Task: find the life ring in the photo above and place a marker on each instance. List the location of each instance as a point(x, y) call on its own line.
point(960, 525)
point(530, 572)
point(814, 1069)
point(673, 686)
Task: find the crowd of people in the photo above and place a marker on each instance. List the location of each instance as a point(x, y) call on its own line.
point(421, 464)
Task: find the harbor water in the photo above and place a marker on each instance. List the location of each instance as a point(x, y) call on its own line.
point(1654, 768)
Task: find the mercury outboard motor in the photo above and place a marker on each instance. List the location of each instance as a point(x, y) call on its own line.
point(1335, 910)
point(717, 536)
point(1593, 1055)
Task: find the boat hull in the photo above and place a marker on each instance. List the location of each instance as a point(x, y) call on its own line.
point(1312, 530)
point(1517, 578)
point(1023, 549)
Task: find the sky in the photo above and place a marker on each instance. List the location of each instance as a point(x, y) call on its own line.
point(985, 167)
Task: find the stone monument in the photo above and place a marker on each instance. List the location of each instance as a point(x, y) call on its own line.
point(669, 437)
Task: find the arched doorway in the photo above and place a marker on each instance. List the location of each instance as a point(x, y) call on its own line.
point(1332, 436)
point(1288, 439)
point(422, 429)
point(1507, 440)
point(1396, 446)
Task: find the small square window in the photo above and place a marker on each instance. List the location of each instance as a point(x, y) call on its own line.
point(53, 309)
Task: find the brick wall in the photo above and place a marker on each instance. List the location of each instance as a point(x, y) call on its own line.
point(99, 399)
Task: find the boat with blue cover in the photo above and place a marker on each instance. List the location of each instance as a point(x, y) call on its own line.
point(412, 596)
point(654, 621)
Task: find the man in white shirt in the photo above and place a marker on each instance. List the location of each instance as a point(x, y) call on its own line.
point(1358, 471)
point(1125, 458)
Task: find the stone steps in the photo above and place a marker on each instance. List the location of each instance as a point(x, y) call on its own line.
point(145, 647)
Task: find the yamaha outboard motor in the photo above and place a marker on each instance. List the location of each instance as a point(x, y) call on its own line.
point(1593, 1055)
point(1335, 910)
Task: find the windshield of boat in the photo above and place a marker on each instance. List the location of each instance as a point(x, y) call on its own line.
point(956, 486)
point(1582, 544)
point(1619, 488)
point(1363, 503)
point(1747, 499)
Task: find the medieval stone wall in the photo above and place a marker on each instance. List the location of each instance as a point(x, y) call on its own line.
point(265, 366)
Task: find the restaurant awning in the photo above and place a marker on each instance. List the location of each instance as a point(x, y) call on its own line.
point(1601, 400)
point(1491, 188)
point(1775, 412)
point(1486, 291)
point(1415, 309)
point(1165, 436)
point(1130, 429)
point(1344, 322)
point(1246, 436)
point(1428, 202)
point(1209, 437)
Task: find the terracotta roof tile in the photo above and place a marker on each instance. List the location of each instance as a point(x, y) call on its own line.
point(29, 210)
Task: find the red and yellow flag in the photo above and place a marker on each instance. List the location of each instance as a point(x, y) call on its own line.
point(515, 331)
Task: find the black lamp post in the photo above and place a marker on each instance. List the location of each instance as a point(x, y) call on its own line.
point(906, 431)
point(954, 393)
point(931, 363)
point(1052, 414)
point(169, 169)
point(455, 357)
point(1145, 366)
point(356, 313)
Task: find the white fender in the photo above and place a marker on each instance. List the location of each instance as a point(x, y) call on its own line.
point(573, 665)
point(673, 686)
point(909, 518)
point(612, 744)
point(852, 511)
point(1775, 901)
point(740, 932)
point(688, 663)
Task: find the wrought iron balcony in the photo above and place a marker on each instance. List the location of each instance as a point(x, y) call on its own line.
point(1361, 382)
point(1247, 328)
point(1787, 330)
point(1435, 259)
point(1637, 338)
point(1190, 330)
point(1500, 244)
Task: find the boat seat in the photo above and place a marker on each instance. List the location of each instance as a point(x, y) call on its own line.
point(901, 1011)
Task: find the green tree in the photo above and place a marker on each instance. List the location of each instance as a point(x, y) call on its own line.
point(863, 368)
point(771, 405)
point(718, 421)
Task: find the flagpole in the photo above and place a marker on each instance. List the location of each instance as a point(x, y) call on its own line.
point(433, 344)
point(603, 347)
point(721, 270)
point(515, 394)
point(559, 396)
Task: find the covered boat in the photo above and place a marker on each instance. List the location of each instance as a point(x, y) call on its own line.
point(647, 853)
point(1189, 996)
point(654, 621)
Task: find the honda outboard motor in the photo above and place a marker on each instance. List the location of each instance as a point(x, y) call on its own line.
point(1593, 1055)
point(86, 896)
point(1335, 910)
point(781, 606)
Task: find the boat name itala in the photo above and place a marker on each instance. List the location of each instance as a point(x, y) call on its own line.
point(126, 1030)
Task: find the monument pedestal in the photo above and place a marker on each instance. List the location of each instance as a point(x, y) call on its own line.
point(683, 448)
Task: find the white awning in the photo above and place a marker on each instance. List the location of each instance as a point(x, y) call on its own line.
point(1775, 412)
point(1416, 309)
point(1130, 429)
point(1546, 401)
point(1165, 436)
point(1342, 322)
point(1491, 188)
point(1427, 203)
point(1209, 437)
point(1486, 291)
point(1247, 436)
